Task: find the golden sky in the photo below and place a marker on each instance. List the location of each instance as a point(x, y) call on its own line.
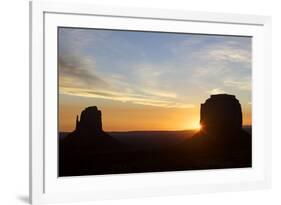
point(149, 80)
point(122, 116)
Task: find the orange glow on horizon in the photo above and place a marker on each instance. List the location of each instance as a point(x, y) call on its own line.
point(118, 117)
point(145, 118)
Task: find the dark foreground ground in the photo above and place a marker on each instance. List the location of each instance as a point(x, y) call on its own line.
point(153, 151)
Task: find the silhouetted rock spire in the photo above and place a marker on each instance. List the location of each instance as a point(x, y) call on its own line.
point(221, 113)
point(77, 122)
point(90, 120)
point(81, 147)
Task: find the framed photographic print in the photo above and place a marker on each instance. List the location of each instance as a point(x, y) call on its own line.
point(129, 102)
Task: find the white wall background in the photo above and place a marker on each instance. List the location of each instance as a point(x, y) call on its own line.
point(14, 100)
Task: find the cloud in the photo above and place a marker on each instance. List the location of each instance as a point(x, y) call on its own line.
point(241, 85)
point(172, 72)
point(216, 91)
point(125, 97)
point(75, 70)
point(77, 39)
point(215, 48)
point(77, 76)
point(221, 66)
point(229, 54)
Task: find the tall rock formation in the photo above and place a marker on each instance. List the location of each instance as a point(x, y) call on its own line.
point(90, 121)
point(82, 149)
point(88, 131)
point(221, 141)
point(221, 113)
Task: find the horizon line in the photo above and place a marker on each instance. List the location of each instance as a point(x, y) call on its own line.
point(153, 130)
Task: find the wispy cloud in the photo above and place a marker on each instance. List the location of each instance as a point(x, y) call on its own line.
point(153, 69)
point(220, 66)
point(244, 84)
point(229, 53)
point(77, 77)
point(125, 97)
point(216, 91)
point(75, 70)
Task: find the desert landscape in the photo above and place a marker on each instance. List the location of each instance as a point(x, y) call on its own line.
point(221, 142)
point(152, 101)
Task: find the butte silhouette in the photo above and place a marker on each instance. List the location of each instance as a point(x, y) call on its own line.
point(89, 134)
point(79, 149)
point(221, 114)
point(220, 143)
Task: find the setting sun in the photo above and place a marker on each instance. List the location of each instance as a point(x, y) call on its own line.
point(198, 127)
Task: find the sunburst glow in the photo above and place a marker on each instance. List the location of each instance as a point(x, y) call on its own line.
point(199, 127)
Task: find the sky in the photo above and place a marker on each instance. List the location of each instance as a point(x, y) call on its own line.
point(149, 80)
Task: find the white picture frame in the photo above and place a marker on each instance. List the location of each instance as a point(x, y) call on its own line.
point(46, 187)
